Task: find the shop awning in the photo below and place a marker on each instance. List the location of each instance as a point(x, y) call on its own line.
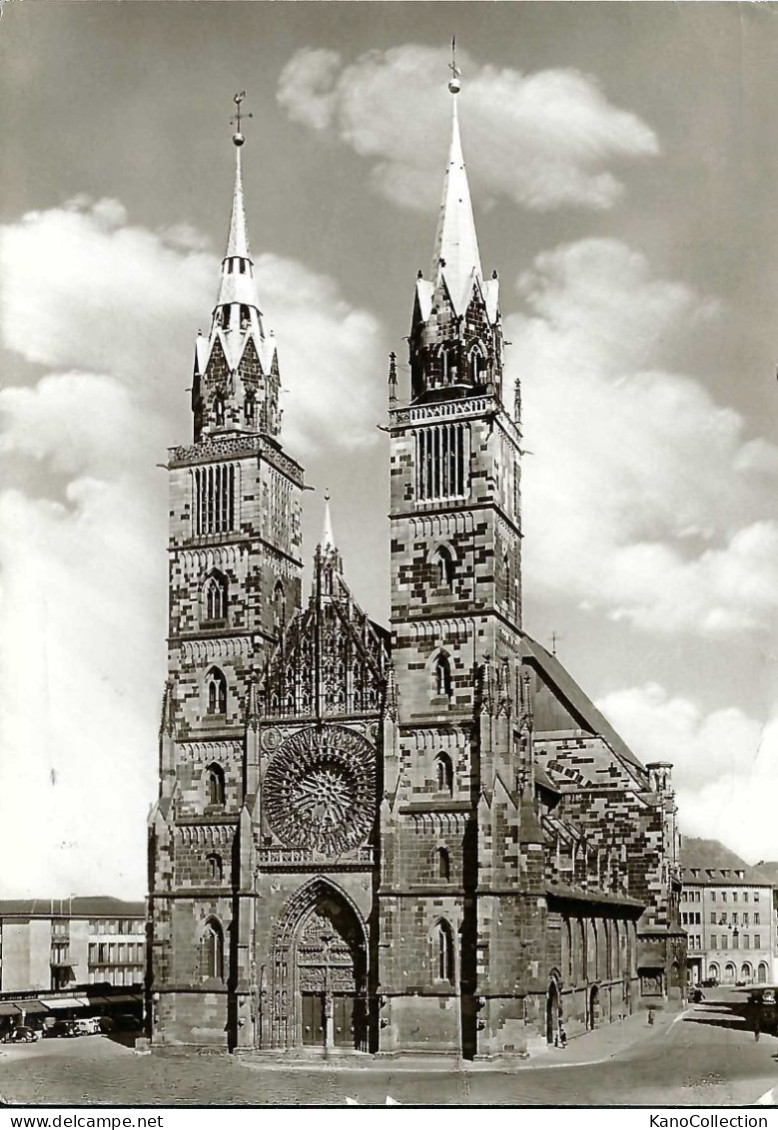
point(67, 1002)
point(125, 998)
point(8, 1009)
point(33, 1008)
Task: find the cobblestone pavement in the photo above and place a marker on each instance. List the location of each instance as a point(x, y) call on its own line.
point(708, 1056)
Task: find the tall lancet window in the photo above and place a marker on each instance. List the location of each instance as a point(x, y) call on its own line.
point(444, 951)
point(212, 953)
point(249, 409)
point(442, 676)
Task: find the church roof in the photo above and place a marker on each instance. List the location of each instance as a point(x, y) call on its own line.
point(580, 704)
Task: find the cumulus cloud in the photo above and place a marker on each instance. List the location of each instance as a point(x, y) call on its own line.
point(725, 763)
point(542, 140)
point(643, 497)
point(328, 350)
point(107, 310)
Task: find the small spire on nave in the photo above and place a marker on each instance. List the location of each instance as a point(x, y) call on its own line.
point(327, 537)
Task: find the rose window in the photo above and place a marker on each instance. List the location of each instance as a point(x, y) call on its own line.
point(320, 790)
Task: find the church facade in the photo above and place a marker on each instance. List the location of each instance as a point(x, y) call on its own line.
point(421, 838)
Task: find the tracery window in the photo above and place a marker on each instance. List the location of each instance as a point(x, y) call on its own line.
point(214, 597)
point(475, 361)
point(441, 455)
point(213, 510)
point(216, 691)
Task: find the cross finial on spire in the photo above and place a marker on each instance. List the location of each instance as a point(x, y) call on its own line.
point(454, 85)
point(238, 137)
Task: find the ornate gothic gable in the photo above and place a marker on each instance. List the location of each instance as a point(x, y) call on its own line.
point(331, 661)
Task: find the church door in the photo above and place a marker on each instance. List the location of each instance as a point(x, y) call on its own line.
point(343, 1020)
point(331, 971)
point(313, 1019)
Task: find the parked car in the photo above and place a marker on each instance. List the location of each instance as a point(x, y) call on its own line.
point(762, 996)
point(88, 1025)
point(21, 1034)
point(63, 1028)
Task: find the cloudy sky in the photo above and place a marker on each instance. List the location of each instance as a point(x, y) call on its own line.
point(623, 161)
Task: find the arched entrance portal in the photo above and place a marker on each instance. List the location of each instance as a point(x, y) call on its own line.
point(552, 1012)
point(319, 995)
point(594, 1007)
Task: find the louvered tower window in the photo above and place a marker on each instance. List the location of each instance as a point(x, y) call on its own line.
point(441, 454)
point(214, 499)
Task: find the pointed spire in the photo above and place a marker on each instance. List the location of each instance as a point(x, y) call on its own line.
point(456, 258)
point(327, 537)
point(237, 281)
point(238, 244)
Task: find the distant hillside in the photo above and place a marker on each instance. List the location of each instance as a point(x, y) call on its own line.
point(708, 853)
point(767, 870)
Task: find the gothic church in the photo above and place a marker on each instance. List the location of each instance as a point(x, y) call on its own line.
point(421, 838)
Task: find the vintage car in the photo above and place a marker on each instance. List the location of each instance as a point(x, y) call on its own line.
point(21, 1034)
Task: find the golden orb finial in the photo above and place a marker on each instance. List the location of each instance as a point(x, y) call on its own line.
point(454, 85)
point(238, 138)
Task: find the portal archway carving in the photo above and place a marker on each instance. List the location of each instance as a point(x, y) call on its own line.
point(319, 971)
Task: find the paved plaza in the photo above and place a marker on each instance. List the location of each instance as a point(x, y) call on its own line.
point(704, 1056)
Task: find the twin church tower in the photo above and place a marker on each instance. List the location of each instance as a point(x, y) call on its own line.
point(424, 838)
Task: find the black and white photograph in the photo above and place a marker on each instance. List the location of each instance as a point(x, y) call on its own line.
point(388, 555)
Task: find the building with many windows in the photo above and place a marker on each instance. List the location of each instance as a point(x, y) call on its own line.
point(421, 838)
point(730, 923)
point(53, 944)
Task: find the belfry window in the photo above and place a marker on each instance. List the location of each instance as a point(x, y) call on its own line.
point(214, 784)
point(216, 691)
point(444, 864)
point(442, 676)
point(214, 499)
point(212, 950)
point(441, 454)
point(444, 951)
point(244, 311)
